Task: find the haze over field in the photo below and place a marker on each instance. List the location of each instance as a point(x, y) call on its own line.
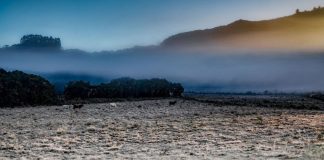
point(162, 79)
point(283, 53)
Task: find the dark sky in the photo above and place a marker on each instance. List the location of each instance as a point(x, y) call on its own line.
point(95, 25)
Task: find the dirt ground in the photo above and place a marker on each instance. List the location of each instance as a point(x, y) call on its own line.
point(154, 129)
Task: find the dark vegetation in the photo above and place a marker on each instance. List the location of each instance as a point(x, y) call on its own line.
point(59, 80)
point(291, 101)
point(123, 88)
point(318, 96)
point(36, 42)
point(21, 89)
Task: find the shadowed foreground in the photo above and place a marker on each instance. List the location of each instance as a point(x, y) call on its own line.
point(154, 129)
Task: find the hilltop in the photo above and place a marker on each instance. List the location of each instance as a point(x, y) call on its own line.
point(302, 31)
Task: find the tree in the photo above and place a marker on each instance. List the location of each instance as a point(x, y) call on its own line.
point(77, 90)
point(124, 88)
point(18, 88)
point(297, 11)
point(38, 42)
point(177, 89)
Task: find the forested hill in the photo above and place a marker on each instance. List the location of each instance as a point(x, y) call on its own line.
point(36, 43)
point(20, 89)
point(302, 31)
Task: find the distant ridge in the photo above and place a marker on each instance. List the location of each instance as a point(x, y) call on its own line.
point(302, 31)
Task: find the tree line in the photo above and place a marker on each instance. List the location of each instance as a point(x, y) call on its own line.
point(20, 89)
point(36, 42)
point(123, 88)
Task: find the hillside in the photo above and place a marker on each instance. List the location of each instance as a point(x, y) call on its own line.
point(302, 31)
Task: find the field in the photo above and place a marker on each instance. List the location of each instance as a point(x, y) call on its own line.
point(199, 127)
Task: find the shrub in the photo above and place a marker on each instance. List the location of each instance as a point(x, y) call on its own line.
point(18, 88)
point(123, 88)
point(78, 89)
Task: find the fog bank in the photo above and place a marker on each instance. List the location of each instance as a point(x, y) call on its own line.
point(197, 71)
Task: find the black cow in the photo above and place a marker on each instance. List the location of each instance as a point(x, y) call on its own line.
point(77, 106)
point(171, 103)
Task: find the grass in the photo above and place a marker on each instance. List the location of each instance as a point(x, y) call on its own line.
point(314, 152)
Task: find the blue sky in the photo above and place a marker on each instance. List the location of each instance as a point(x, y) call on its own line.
point(96, 25)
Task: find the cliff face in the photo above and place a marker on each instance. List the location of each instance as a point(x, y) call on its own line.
point(303, 31)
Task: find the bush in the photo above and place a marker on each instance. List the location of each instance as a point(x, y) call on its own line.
point(123, 88)
point(18, 88)
point(78, 89)
point(318, 96)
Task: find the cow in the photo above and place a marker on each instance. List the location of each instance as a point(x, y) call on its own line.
point(113, 104)
point(171, 103)
point(77, 106)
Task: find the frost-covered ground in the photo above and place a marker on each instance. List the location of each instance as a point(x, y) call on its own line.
point(153, 129)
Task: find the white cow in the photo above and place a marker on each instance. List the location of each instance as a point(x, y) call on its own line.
point(113, 104)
